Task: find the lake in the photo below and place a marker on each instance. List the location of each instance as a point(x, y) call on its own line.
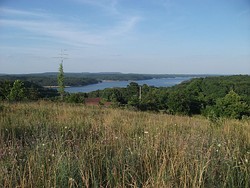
point(161, 82)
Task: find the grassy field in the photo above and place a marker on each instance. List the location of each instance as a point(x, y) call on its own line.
point(47, 144)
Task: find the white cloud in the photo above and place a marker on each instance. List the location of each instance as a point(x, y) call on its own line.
point(76, 34)
point(62, 32)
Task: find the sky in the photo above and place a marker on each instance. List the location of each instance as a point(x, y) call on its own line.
point(129, 36)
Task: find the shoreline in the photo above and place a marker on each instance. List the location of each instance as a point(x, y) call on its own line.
point(56, 86)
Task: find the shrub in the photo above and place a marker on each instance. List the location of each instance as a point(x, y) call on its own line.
point(231, 106)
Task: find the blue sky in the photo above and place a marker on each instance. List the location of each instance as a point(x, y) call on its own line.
point(130, 36)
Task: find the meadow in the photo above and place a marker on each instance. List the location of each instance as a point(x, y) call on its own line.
point(46, 144)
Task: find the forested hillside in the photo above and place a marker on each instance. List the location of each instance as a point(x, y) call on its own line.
point(50, 80)
point(131, 76)
point(207, 96)
point(215, 87)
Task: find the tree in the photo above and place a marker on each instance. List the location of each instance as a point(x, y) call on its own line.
point(231, 106)
point(178, 103)
point(33, 93)
point(5, 88)
point(17, 91)
point(75, 98)
point(150, 99)
point(183, 102)
point(133, 94)
point(60, 80)
point(117, 97)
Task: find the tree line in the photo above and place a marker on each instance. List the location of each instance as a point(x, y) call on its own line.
point(50, 80)
point(220, 96)
point(82, 79)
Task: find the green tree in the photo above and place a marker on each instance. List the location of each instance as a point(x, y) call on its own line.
point(178, 103)
point(150, 99)
point(231, 106)
point(17, 91)
point(183, 102)
point(60, 80)
point(75, 98)
point(5, 88)
point(133, 94)
point(117, 97)
point(33, 93)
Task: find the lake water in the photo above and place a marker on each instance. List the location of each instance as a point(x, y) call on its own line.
point(162, 82)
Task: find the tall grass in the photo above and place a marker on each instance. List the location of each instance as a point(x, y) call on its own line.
point(60, 145)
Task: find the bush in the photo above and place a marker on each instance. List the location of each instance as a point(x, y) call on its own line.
point(230, 106)
point(75, 98)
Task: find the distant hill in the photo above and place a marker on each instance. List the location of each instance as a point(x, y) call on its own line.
point(85, 78)
point(50, 79)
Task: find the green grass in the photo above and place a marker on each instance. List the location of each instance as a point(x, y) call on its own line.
point(61, 145)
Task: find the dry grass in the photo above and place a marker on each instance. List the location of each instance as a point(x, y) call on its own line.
point(60, 145)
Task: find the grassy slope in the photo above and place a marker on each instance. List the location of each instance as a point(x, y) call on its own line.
point(62, 145)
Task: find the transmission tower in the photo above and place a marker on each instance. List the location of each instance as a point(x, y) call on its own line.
point(62, 55)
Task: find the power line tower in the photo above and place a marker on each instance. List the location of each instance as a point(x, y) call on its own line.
point(140, 92)
point(62, 55)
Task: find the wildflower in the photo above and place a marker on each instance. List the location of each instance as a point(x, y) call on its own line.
point(65, 127)
point(246, 160)
point(129, 149)
point(43, 144)
point(116, 137)
point(145, 132)
point(219, 145)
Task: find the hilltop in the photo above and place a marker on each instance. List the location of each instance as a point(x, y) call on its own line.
point(64, 145)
